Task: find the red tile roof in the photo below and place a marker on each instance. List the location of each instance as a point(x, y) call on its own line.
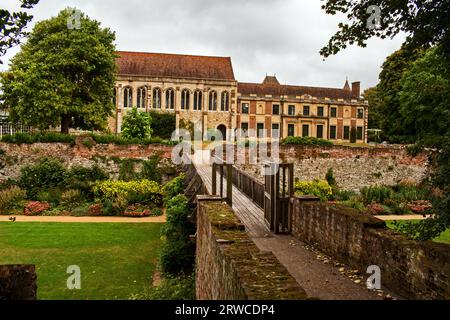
point(270, 86)
point(174, 65)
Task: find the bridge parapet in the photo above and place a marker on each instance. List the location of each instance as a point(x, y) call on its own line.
point(229, 266)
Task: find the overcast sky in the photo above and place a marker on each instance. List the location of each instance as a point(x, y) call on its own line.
point(281, 37)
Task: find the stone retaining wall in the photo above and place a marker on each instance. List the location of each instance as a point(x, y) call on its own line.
point(15, 156)
point(229, 266)
point(410, 268)
point(353, 167)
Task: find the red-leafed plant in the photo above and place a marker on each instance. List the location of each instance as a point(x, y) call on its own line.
point(35, 208)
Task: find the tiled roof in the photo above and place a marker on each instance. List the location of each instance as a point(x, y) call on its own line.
point(276, 90)
point(174, 65)
point(271, 80)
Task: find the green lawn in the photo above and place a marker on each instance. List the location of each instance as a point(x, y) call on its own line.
point(116, 259)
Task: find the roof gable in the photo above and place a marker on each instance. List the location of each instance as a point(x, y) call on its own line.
point(174, 65)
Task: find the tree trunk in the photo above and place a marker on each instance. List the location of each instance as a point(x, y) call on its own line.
point(65, 123)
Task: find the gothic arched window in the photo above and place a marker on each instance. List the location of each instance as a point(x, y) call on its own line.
point(141, 95)
point(114, 97)
point(127, 97)
point(225, 101)
point(170, 99)
point(185, 96)
point(198, 100)
point(213, 101)
point(156, 98)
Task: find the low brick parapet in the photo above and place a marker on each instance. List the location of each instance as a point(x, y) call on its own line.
point(229, 266)
point(18, 282)
point(412, 269)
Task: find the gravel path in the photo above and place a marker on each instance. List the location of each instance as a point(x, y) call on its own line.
point(69, 219)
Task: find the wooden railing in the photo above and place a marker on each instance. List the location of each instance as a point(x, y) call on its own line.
point(225, 174)
point(249, 186)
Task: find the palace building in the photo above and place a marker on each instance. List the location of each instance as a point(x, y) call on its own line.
point(203, 90)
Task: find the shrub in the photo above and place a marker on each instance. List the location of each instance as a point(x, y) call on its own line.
point(375, 194)
point(318, 188)
point(409, 193)
point(149, 191)
point(10, 198)
point(80, 211)
point(177, 256)
point(137, 124)
point(150, 169)
point(71, 198)
point(163, 124)
point(43, 137)
point(171, 288)
point(127, 170)
point(307, 141)
point(174, 187)
point(52, 196)
point(35, 208)
point(83, 178)
point(45, 174)
point(120, 140)
point(354, 202)
point(178, 252)
point(343, 195)
point(330, 178)
point(95, 209)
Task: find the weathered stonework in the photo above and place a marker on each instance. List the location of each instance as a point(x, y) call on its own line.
point(17, 156)
point(229, 266)
point(18, 282)
point(353, 167)
point(409, 268)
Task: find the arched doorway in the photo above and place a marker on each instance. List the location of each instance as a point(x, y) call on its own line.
point(223, 130)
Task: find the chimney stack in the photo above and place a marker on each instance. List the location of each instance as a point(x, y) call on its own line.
point(356, 89)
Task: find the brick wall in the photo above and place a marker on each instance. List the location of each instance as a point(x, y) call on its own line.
point(17, 282)
point(411, 269)
point(229, 266)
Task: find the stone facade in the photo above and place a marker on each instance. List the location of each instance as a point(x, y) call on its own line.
point(409, 268)
point(203, 90)
point(229, 266)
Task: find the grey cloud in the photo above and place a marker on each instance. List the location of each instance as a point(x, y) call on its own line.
point(261, 36)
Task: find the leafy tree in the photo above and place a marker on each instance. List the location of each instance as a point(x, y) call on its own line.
point(375, 116)
point(425, 97)
point(13, 24)
point(424, 102)
point(384, 100)
point(137, 124)
point(425, 23)
point(163, 124)
point(62, 76)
